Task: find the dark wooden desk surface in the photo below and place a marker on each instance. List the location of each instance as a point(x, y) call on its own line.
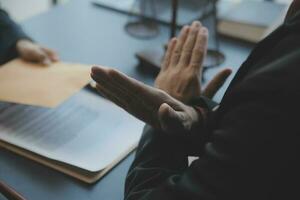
point(83, 33)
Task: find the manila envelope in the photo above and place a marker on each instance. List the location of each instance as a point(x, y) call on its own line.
point(47, 86)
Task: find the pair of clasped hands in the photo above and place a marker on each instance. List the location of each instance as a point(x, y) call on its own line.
point(165, 105)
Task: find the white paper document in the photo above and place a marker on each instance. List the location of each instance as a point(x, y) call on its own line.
point(86, 131)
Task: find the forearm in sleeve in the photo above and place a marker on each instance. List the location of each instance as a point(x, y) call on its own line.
point(10, 33)
point(238, 162)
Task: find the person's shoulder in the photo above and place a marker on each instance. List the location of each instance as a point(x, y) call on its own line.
point(2, 12)
point(294, 22)
point(277, 85)
point(284, 67)
point(279, 77)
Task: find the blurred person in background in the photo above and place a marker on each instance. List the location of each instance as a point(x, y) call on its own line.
point(15, 43)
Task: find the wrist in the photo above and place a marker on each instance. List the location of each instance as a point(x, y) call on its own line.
point(202, 115)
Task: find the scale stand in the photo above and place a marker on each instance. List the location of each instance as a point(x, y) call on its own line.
point(144, 27)
point(151, 58)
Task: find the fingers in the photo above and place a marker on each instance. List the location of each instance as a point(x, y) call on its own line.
point(39, 56)
point(168, 55)
point(107, 94)
point(110, 88)
point(52, 55)
point(144, 95)
point(216, 83)
point(199, 51)
point(104, 83)
point(101, 76)
point(179, 45)
point(43, 55)
point(118, 83)
point(190, 47)
point(35, 53)
point(132, 86)
point(189, 44)
point(129, 94)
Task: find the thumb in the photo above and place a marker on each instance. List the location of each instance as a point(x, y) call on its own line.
point(169, 119)
point(216, 83)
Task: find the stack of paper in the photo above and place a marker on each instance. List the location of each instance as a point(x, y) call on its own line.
point(84, 136)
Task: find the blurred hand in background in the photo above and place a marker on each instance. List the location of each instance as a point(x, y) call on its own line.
point(33, 52)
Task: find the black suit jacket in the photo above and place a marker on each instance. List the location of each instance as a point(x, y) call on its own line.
point(250, 147)
point(10, 33)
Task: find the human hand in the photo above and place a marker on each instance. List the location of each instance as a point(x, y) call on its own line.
point(182, 66)
point(151, 105)
point(32, 52)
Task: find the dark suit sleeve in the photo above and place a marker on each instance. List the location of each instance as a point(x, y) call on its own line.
point(249, 147)
point(204, 102)
point(10, 33)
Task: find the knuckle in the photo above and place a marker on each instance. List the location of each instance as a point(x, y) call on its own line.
point(195, 65)
point(195, 31)
point(176, 51)
point(200, 50)
point(162, 93)
point(29, 54)
point(178, 96)
point(175, 58)
point(191, 75)
point(176, 74)
point(187, 50)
